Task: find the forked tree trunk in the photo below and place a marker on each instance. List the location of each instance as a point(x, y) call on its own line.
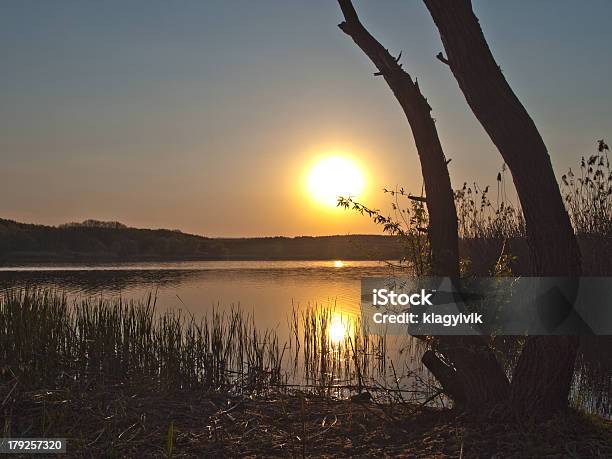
point(471, 375)
point(544, 371)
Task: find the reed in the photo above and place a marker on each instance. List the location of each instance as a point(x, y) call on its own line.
point(45, 341)
point(588, 195)
point(49, 343)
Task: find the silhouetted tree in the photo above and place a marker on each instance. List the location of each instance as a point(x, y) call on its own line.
point(442, 231)
point(544, 371)
point(468, 372)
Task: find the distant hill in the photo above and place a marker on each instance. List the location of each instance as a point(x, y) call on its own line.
point(93, 240)
point(94, 224)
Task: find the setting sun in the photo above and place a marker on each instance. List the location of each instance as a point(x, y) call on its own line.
point(335, 176)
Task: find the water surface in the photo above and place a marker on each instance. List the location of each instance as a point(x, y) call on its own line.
point(269, 288)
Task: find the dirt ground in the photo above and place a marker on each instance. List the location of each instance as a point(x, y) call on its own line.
point(141, 423)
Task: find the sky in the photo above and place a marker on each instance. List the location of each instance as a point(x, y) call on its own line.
point(205, 116)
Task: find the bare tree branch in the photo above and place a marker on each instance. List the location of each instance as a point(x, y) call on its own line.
point(440, 202)
point(442, 59)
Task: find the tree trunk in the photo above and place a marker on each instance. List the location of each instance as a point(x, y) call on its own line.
point(442, 231)
point(542, 378)
point(484, 381)
point(472, 376)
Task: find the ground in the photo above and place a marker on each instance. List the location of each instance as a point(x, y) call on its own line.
point(121, 422)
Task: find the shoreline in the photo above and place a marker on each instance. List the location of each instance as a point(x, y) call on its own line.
point(127, 421)
point(16, 262)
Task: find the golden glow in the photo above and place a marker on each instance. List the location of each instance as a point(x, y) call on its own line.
point(335, 176)
point(338, 264)
point(337, 330)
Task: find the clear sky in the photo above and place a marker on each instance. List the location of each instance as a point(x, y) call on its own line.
point(205, 115)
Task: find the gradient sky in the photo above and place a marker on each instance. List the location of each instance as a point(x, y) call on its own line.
point(204, 115)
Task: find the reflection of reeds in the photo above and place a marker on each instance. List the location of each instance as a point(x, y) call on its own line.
point(332, 361)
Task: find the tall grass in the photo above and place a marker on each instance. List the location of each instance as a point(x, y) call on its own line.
point(588, 196)
point(480, 218)
point(47, 341)
point(336, 351)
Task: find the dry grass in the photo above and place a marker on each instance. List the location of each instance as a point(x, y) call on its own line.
point(589, 196)
point(134, 421)
point(588, 199)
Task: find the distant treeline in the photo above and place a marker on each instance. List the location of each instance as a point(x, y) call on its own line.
point(113, 241)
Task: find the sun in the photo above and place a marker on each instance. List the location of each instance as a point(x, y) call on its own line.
point(334, 176)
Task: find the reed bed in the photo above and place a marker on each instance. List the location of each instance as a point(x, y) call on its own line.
point(335, 355)
point(46, 341)
point(119, 378)
point(587, 195)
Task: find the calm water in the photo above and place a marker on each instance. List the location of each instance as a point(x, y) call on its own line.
point(269, 288)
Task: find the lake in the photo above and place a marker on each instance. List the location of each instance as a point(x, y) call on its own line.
point(267, 287)
point(270, 289)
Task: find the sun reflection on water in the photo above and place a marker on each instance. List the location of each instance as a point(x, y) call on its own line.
point(337, 329)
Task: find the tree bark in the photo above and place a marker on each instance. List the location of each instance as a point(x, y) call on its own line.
point(544, 370)
point(472, 376)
